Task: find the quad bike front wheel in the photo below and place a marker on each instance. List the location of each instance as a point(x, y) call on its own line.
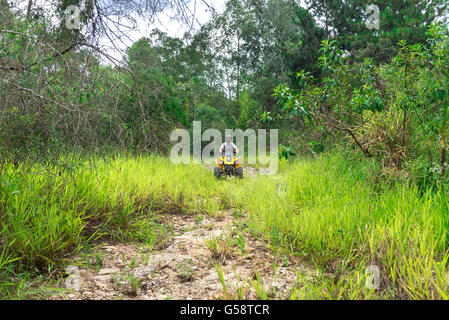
point(217, 172)
point(239, 172)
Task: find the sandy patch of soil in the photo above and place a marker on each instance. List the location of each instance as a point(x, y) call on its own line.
point(186, 267)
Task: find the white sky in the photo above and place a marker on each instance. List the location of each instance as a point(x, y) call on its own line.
point(202, 15)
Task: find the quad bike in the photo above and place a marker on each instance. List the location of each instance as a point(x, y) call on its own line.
point(228, 166)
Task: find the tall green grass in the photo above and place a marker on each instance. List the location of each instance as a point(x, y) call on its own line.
point(335, 213)
point(339, 216)
point(49, 212)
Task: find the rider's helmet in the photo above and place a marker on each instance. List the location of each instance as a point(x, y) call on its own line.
point(228, 138)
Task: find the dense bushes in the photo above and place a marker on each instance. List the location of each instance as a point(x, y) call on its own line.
point(396, 112)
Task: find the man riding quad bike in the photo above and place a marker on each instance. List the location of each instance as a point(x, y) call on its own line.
point(229, 164)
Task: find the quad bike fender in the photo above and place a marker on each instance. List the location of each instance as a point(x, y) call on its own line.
point(237, 163)
point(220, 162)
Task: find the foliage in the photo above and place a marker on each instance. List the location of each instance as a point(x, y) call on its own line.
point(396, 112)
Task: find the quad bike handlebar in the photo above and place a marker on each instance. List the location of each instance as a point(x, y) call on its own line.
point(234, 153)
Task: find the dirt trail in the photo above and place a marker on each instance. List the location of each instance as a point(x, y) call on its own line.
point(186, 267)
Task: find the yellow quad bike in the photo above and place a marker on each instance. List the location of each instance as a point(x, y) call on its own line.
point(228, 166)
